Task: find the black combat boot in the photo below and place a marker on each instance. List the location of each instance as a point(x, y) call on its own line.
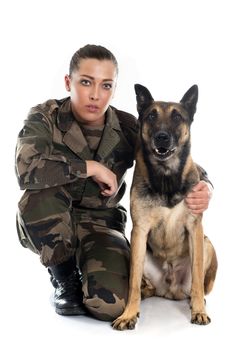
point(68, 296)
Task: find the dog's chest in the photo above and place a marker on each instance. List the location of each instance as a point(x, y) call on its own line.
point(168, 236)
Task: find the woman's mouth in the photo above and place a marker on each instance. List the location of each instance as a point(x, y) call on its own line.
point(92, 108)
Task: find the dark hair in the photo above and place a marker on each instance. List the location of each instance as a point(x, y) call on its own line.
point(91, 51)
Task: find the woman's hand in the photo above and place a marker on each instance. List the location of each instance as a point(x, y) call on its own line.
point(104, 177)
point(198, 199)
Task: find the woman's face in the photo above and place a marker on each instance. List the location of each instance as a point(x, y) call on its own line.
point(91, 89)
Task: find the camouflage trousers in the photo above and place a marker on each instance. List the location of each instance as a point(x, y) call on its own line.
point(52, 225)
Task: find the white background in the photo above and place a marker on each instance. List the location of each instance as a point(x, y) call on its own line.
point(167, 46)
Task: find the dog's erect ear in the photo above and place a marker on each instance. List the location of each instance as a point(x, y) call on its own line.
point(144, 98)
point(189, 100)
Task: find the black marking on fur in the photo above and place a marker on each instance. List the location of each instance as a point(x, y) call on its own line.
point(170, 188)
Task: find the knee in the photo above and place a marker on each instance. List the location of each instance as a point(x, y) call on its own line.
point(47, 230)
point(103, 310)
point(106, 302)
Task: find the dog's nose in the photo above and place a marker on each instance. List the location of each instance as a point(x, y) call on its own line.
point(162, 138)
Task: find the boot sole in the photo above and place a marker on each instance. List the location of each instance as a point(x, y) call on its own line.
point(71, 312)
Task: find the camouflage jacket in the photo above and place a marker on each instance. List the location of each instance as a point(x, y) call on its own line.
point(52, 151)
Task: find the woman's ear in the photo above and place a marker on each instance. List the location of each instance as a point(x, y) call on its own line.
point(67, 82)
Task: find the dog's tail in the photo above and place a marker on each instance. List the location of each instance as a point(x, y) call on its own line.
point(211, 271)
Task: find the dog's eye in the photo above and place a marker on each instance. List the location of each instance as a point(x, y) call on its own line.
point(151, 116)
point(176, 116)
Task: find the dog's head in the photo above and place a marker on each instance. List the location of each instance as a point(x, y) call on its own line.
point(165, 126)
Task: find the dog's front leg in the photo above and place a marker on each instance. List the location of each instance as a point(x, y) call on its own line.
point(199, 315)
point(138, 249)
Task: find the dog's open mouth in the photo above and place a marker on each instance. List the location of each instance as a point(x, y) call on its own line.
point(163, 153)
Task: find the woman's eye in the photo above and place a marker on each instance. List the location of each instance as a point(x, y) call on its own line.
point(85, 82)
point(107, 86)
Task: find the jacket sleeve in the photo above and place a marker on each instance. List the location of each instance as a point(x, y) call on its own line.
point(203, 174)
point(36, 165)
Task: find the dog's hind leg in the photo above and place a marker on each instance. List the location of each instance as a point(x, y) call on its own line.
point(210, 265)
point(147, 289)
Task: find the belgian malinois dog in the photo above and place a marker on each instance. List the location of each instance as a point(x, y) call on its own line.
point(170, 256)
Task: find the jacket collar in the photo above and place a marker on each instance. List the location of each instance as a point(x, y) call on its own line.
point(74, 138)
point(110, 137)
point(65, 116)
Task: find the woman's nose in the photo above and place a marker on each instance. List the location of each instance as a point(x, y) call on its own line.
point(94, 93)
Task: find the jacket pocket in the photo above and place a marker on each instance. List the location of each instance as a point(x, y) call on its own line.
point(23, 236)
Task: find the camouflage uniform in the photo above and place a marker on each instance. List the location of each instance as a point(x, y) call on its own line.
point(62, 212)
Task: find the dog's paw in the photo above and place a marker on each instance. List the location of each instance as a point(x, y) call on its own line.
point(200, 318)
point(122, 323)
